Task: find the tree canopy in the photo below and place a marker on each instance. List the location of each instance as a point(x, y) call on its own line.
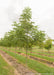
point(48, 44)
point(25, 33)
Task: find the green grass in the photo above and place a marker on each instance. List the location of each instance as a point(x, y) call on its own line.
point(45, 53)
point(33, 64)
point(43, 57)
point(5, 69)
point(37, 55)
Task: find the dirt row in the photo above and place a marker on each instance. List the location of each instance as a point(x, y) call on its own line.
point(44, 61)
point(19, 68)
point(49, 63)
point(44, 54)
point(40, 53)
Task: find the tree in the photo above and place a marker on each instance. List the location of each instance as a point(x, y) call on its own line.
point(48, 44)
point(25, 34)
point(23, 29)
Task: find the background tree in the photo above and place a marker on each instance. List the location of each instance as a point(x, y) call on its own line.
point(48, 44)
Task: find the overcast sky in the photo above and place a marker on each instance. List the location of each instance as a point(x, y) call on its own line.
point(42, 14)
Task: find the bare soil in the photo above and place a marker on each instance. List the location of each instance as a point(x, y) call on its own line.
point(48, 63)
point(44, 54)
point(44, 61)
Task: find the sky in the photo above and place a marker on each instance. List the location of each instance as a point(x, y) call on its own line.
point(42, 14)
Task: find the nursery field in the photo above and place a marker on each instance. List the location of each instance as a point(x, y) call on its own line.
point(26, 48)
point(39, 61)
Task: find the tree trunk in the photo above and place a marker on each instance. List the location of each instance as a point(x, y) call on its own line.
point(30, 52)
point(15, 51)
point(26, 55)
point(49, 51)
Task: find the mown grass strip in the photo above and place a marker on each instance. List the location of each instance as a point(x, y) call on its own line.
point(5, 69)
point(46, 53)
point(43, 57)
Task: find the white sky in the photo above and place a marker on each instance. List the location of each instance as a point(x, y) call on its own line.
point(42, 14)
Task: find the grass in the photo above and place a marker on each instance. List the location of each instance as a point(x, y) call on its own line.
point(5, 69)
point(33, 64)
point(45, 53)
point(37, 55)
point(43, 57)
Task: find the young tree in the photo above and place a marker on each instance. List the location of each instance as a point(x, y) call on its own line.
point(25, 34)
point(23, 29)
point(48, 44)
